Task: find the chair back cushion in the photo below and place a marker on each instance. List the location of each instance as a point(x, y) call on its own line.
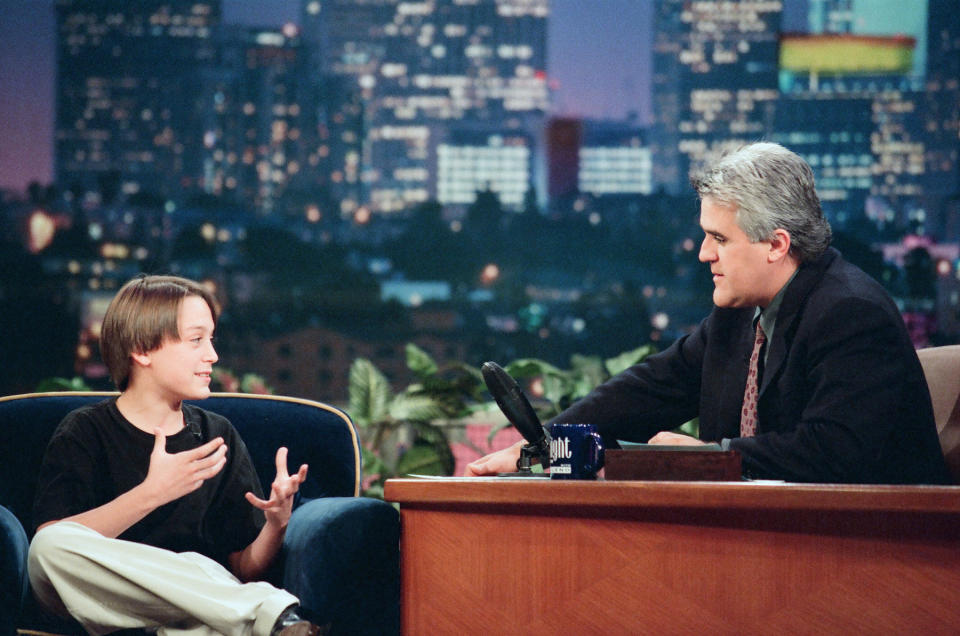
point(316, 434)
point(941, 366)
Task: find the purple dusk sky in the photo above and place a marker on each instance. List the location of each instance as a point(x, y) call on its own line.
point(598, 57)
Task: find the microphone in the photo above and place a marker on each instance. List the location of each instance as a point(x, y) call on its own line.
point(514, 404)
point(194, 429)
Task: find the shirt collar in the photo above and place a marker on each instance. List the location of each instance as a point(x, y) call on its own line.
point(768, 316)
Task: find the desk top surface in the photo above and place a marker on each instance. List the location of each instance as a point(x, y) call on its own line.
point(768, 495)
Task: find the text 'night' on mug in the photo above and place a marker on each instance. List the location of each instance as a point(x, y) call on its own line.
point(576, 451)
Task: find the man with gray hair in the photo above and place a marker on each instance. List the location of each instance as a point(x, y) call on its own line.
point(804, 365)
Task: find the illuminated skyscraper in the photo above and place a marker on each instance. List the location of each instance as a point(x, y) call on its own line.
point(941, 107)
point(419, 69)
point(852, 92)
point(127, 92)
point(598, 158)
point(864, 90)
point(848, 108)
point(259, 117)
point(714, 82)
point(614, 159)
point(469, 161)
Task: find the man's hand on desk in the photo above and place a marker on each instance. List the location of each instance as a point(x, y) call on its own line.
point(666, 438)
point(505, 460)
point(502, 461)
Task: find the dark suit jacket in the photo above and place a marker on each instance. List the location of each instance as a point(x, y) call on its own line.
point(842, 399)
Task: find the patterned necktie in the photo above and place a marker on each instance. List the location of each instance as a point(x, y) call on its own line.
point(748, 416)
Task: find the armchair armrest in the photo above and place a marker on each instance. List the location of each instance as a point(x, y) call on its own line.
point(13, 570)
point(341, 559)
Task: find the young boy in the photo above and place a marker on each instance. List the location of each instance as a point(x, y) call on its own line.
point(148, 511)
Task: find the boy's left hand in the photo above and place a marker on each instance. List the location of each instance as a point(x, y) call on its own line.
point(278, 508)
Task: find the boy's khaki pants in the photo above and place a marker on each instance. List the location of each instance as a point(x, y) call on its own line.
point(109, 584)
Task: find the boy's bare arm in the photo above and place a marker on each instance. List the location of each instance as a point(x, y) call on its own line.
point(169, 477)
point(250, 563)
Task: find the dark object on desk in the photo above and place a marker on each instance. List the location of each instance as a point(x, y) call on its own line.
point(576, 451)
point(516, 407)
point(673, 463)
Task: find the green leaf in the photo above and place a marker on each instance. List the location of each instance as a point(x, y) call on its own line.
point(469, 372)
point(627, 359)
point(435, 436)
point(557, 384)
point(412, 406)
point(588, 373)
point(557, 388)
point(453, 396)
point(61, 384)
point(531, 368)
point(586, 364)
point(369, 393)
point(420, 361)
point(422, 460)
point(468, 380)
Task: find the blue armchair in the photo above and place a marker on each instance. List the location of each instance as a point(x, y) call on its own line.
point(340, 554)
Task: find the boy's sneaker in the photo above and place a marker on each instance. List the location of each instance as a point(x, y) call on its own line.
point(290, 623)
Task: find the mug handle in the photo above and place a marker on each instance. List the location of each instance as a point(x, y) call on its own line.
point(597, 454)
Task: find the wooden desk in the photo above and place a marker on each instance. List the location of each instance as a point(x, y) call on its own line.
point(489, 556)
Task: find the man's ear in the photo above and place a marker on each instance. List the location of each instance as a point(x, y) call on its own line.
point(779, 245)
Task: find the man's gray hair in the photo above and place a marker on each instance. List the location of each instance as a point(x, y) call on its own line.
point(771, 188)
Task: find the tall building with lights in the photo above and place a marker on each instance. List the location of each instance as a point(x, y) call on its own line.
point(473, 160)
point(259, 118)
point(421, 72)
point(127, 93)
point(852, 86)
point(714, 81)
point(864, 90)
point(597, 158)
point(941, 115)
point(614, 158)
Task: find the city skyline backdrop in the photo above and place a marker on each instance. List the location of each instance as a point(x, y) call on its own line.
point(399, 230)
point(599, 65)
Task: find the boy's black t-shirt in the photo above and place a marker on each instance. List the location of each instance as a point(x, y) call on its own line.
point(96, 454)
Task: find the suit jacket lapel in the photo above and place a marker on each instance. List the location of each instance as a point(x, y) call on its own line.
point(726, 358)
point(791, 308)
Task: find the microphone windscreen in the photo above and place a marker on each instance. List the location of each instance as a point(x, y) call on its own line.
point(514, 404)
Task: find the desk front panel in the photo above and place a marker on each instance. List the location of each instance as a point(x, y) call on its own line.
point(542, 557)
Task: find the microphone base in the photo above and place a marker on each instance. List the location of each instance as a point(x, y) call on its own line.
point(533, 452)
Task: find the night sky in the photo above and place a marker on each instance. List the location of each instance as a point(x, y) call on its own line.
point(599, 59)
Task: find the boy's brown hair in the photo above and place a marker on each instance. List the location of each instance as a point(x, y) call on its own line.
point(141, 316)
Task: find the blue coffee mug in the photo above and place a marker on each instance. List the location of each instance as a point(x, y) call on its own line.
point(576, 451)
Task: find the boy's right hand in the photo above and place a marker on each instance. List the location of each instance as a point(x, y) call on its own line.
point(173, 475)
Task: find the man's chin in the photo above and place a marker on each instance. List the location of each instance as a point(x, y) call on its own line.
point(721, 300)
point(725, 302)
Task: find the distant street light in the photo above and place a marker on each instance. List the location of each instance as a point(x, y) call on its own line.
point(42, 229)
point(660, 321)
point(490, 274)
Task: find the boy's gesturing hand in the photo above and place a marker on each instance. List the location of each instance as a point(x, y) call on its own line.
point(172, 476)
point(278, 508)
